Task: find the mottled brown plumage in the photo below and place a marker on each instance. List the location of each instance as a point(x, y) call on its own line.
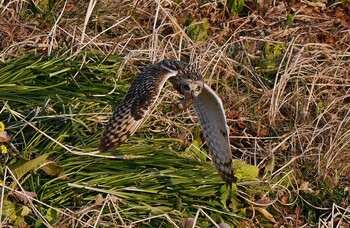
point(143, 94)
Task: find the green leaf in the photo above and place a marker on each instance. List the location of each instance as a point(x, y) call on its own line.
point(235, 6)
point(9, 209)
point(51, 215)
point(268, 51)
point(195, 150)
point(224, 194)
point(22, 166)
point(198, 31)
point(277, 50)
point(245, 171)
point(320, 107)
point(25, 211)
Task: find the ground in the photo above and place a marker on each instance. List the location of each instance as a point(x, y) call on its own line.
point(281, 69)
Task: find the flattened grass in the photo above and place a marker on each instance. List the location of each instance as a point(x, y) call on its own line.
point(284, 80)
point(57, 98)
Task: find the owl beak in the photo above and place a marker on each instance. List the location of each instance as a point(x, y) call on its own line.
point(189, 96)
point(192, 94)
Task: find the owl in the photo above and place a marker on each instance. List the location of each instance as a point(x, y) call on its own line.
point(187, 80)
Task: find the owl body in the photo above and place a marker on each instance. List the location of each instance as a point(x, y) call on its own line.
point(142, 96)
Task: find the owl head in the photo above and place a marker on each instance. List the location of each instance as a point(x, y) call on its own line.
point(188, 81)
point(190, 87)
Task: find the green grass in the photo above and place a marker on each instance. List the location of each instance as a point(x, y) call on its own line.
point(284, 86)
point(57, 98)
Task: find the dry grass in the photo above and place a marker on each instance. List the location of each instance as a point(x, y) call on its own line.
point(285, 84)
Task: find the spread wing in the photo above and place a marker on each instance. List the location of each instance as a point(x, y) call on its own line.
point(136, 105)
point(208, 107)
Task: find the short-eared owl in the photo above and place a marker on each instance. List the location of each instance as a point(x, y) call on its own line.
point(187, 80)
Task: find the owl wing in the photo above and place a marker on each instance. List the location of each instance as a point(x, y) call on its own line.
point(208, 107)
point(138, 102)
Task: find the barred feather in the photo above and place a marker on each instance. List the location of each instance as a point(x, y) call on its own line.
point(136, 105)
point(208, 108)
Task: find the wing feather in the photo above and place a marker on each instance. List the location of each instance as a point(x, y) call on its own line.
point(209, 109)
point(138, 102)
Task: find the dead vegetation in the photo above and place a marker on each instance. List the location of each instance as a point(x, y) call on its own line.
point(282, 70)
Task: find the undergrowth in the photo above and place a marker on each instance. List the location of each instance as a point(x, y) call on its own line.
point(282, 71)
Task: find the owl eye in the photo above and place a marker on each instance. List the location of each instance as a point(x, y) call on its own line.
point(198, 88)
point(186, 87)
